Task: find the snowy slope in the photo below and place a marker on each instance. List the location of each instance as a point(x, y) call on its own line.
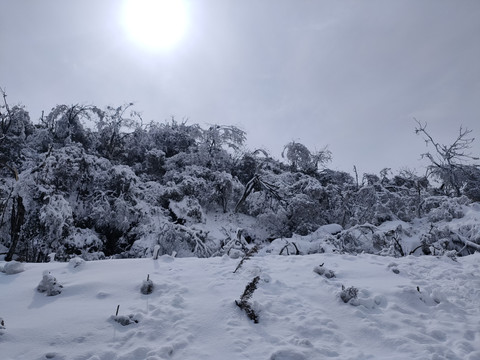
point(407, 308)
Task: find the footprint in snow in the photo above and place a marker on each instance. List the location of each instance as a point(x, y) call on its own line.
point(287, 355)
point(53, 355)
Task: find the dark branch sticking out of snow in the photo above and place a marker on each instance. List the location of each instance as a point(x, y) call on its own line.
point(247, 294)
point(247, 256)
point(285, 248)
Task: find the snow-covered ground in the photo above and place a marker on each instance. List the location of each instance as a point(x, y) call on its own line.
point(407, 308)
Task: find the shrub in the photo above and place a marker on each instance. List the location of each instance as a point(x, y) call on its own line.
point(147, 286)
point(348, 294)
point(125, 320)
point(49, 285)
point(320, 270)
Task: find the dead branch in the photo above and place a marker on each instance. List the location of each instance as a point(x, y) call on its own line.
point(247, 256)
point(247, 294)
point(256, 181)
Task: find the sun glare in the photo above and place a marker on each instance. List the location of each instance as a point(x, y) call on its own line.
point(155, 24)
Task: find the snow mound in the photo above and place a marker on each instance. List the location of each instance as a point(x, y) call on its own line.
point(76, 263)
point(13, 267)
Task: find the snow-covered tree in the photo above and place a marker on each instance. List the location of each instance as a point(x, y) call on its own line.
point(302, 159)
point(450, 163)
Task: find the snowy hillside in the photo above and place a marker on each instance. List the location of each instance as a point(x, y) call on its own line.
point(407, 308)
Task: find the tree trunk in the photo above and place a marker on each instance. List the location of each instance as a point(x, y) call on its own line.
point(18, 215)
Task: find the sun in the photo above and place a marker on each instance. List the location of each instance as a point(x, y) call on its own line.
point(155, 24)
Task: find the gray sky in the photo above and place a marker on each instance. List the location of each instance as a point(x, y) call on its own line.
point(347, 74)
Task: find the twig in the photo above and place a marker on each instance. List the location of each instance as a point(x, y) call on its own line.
point(297, 252)
point(247, 256)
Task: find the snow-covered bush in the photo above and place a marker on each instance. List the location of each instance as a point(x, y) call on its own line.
point(171, 238)
point(445, 238)
point(445, 208)
point(304, 215)
point(347, 294)
point(356, 239)
point(275, 223)
point(125, 320)
point(147, 286)
point(472, 183)
point(154, 163)
point(224, 189)
point(55, 220)
point(76, 263)
point(49, 285)
point(13, 267)
point(84, 243)
point(15, 128)
point(187, 211)
point(323, 271)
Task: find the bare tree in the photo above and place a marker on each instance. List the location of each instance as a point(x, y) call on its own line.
point(5, 118)
point(449, 163)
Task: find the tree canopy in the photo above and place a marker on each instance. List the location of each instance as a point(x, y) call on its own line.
point(95, 183)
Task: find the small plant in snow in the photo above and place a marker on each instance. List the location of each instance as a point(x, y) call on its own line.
point(452, 254)
point(124, 320)
point(320, 270)
point(348, 294)
point(147, 286)
point(247, 294)
point(49, 285)
point(13, 267)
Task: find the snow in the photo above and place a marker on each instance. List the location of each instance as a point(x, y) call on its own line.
point(407, 308)
point(12, 267)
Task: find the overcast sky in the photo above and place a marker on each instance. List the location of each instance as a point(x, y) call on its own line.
point(347, 74)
